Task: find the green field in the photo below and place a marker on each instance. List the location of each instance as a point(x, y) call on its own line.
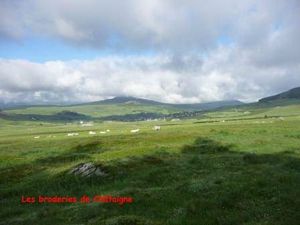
point(233, 166)
point(95, 110)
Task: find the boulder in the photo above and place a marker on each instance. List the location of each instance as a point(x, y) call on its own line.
point(87, 170)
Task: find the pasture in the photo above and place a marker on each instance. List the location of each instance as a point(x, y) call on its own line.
point(96, 110)
point(229, 167)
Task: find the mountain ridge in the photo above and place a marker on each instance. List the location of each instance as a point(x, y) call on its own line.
point(186, 106)
point(115, 100)
point(293, 93)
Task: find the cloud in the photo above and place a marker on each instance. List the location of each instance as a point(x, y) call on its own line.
point(133, 24)
point(203, 50)
point(223, 74)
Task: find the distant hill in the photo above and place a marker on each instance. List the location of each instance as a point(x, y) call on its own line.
point(189, 107)
point(288, 95)
point(118, 108)
point(208, 105)
point(125, 100)
point(64, 116)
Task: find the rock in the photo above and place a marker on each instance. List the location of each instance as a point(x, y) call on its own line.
point(87, 170)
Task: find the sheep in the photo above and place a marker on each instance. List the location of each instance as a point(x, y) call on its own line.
point(88, 124)
point(156, 128)
point(72, 134)
point(135, 131)
point(36, 137)
point(102, 132)
point(92, 133)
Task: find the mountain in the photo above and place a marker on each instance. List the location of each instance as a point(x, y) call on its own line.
point(293, 94)
point(118, 108)
point(189, 107)
point(208, 105)
point(131, 101)
point(126, 100)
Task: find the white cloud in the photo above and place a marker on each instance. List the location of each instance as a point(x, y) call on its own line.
point(192, 60)
point(221, 75)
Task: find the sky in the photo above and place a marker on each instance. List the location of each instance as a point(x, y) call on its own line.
point(66, 51)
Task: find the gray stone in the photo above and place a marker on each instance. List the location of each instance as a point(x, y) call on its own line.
point(87, 170)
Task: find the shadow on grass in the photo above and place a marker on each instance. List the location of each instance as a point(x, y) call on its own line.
point(79, 152)
point(207, 183)
point(205, 146)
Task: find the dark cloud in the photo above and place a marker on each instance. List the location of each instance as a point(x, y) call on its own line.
point(162, 25)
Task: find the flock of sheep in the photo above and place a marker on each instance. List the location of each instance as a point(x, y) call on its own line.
point(156, 128)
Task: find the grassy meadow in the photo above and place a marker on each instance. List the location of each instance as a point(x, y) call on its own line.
point(230, 167)
point(96, 110)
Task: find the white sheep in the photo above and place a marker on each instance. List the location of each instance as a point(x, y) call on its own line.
point(156, 128)
point(135, 131)
point(72, 134)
